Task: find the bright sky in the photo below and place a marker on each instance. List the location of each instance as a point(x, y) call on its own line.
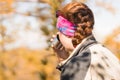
point(105, 22)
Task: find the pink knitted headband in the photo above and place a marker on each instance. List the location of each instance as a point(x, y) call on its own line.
point(66, 27)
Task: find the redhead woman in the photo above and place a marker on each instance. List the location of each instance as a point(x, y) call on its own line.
point(80, 56)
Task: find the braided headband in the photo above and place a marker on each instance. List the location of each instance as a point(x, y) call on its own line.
point(66, 27)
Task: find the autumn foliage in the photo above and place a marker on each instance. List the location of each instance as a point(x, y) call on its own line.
point(25, 64)
point(113, 42)
point(6, 6)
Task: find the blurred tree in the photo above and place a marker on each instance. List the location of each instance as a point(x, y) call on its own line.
point(106, 5)
point(5, 9)
point(25, 64)
point(6, 6)
point(4, 38)
point(53, 6)
point(113, 42)
point(2, 34)
point(80, 0)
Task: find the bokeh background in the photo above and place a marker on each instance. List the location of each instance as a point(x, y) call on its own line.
point(27, 25)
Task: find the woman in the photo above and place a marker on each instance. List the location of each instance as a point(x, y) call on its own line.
point(81, 56)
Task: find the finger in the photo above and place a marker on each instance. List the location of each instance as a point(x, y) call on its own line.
point(62, 48)
point(53, 36)
point(51, 39)
point(59, 45)
point(55, 49)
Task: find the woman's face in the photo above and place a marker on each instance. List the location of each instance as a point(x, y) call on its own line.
point(66, 41)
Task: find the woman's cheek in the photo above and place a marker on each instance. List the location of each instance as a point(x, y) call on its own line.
point(66, 42)
point(69, 44)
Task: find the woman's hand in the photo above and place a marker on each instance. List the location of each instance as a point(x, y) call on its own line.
point(62, 54)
